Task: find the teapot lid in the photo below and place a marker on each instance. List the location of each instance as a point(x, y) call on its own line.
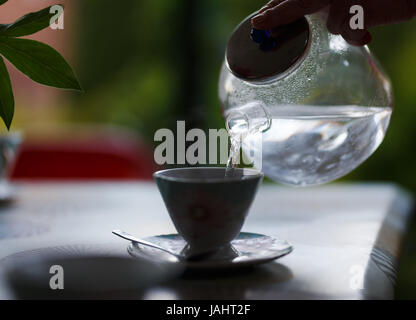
point(254, 54)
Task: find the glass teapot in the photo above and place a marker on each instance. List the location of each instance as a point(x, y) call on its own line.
point(321, 105)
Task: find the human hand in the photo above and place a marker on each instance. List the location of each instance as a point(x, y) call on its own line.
point(376, 12)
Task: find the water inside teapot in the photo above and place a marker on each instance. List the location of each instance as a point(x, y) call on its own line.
point(310, 145)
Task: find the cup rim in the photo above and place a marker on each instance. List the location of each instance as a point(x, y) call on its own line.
point(253, 174)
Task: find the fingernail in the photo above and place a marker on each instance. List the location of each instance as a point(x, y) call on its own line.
point(260, 18)
point(264, 8)
point(367, 38)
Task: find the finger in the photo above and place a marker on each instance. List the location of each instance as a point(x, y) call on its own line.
point(376, 12)
point(338, 15)
point(358, 38)
point(389, 11)
point(269, 5)
point(287, 12)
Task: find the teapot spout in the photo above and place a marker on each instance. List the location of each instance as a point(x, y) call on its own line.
point(249, 118)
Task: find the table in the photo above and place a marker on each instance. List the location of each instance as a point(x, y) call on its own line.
point(346, 236)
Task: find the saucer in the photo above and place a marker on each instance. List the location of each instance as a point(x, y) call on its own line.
point(250, 249)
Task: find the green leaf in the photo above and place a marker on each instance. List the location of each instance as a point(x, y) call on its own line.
point(28, 24)
point(2, 2)
point(39, 62)
point(6, 95)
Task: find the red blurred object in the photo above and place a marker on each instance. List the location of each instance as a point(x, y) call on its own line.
point(101, 154)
